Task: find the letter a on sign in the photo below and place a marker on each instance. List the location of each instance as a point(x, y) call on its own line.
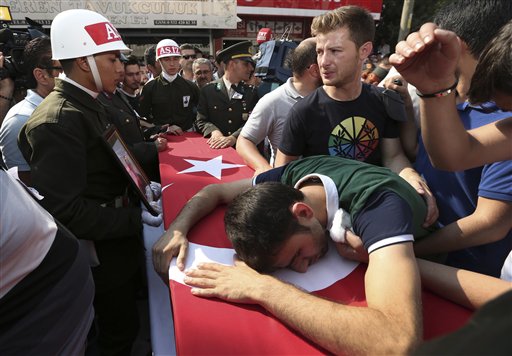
point(103, 32)
point(111, 32)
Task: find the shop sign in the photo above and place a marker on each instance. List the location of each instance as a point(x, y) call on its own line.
point(153, 14)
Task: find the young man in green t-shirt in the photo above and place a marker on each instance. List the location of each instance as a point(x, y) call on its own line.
point(284, 224)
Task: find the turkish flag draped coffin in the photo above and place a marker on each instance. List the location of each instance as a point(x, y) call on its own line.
point(212, 326)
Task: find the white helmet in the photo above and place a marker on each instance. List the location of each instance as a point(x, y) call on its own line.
point(79, 33)
point(167, 48)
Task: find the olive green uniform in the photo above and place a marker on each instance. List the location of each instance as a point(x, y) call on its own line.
point(123, 116)
point(216, 111)
point(80, 179)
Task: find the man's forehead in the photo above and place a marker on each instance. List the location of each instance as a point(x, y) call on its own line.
point(338, 36)
point(132, 68)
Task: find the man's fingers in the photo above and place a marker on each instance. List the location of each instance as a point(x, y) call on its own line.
point(432, 210)
point(182, 255)
point(450, 42)
point(396, 59)
point(354, 240)
point(426, 32)
point(199, 282)
point(201, 292)
point(346, 251)
point(405, 50)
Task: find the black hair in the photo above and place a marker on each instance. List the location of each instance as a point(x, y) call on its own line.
point(131, 60)
point(476, 22)
point(150, 55)
point(493, 71)
point(260, 220)
point(36, 54)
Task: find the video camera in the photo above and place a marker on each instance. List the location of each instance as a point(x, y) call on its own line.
point(12, 44)
point(272, 59)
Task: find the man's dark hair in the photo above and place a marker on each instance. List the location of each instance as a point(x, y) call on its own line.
point(187, 46)
point(131, 60)
point(36, 54)
point(493, 70)
point(150, 55)
point(260, 220)
point(476, 22)
point(303, 56)
point(357, 19)
point(198, 51)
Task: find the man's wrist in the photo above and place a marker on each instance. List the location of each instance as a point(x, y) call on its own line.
point(264, 288)
point(8, 98)
point(439, 93)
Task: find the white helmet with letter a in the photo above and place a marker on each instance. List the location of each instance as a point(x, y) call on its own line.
point(167, 48)
point(79, 33)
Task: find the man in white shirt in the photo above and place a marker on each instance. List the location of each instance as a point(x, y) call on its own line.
point(41, 70)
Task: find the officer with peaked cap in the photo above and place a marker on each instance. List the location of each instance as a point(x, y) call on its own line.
point(169, 98)
point(82, 184)
point(225, 104)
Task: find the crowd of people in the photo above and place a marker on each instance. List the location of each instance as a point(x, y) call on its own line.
point(403, 159)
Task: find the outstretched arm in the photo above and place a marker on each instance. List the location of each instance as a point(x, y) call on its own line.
point(391, 323)
point(174, 241)
point(489, 222)
point(466, 288)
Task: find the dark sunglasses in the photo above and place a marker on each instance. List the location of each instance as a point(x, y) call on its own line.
point(189, 56)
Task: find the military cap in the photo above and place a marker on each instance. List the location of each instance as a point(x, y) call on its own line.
point(240, 50)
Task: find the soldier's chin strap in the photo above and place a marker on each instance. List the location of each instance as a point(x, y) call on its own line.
point(95, 73)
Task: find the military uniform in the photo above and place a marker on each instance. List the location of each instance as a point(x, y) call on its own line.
point(173, 103)
point(216, 111)
point(122, 115)
point(80, 180)
point(227, 109)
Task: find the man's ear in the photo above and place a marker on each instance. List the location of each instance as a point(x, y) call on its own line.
point(302, 210)
point(314, 70)
point(40, 75)
point(83, 64)
point(365, 50)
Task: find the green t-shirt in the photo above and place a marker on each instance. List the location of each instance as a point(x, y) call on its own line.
point(356, 182)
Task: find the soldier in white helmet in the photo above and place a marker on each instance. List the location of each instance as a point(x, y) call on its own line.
point(170, 99)
point(82, 185)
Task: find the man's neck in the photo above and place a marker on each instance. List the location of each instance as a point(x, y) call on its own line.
point(80, 84)
point(189, 75)
point(314, 196)
point(346, 92)
point(42, 91)
point(230, 77)
point(303, 86)
point(128, 90)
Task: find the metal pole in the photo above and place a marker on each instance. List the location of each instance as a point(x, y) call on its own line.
point(405, 21)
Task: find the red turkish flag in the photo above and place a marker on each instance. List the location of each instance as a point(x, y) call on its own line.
point(210, 326)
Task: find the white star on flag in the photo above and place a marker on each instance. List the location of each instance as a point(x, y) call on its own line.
point(213, 166)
